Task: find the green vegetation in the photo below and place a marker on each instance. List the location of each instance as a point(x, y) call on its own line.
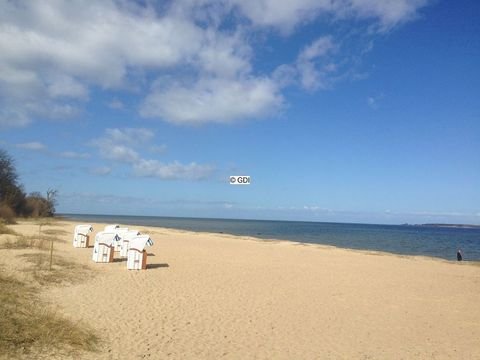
point(13, 199)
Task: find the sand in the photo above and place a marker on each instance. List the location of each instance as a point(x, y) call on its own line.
point(210, 296)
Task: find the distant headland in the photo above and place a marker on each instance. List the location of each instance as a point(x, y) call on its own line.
point(457, 226)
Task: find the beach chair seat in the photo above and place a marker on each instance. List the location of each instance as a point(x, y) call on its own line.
point(137, 260)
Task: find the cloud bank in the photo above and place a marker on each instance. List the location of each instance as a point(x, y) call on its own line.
point(192, 61)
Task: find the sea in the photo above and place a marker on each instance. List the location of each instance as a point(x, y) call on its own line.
point(432, 241)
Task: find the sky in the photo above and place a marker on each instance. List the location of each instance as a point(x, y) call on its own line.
point(339, 110)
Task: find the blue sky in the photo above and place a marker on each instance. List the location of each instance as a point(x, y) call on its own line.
point(348, 111)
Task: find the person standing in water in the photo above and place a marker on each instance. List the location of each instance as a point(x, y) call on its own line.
point(459, 255)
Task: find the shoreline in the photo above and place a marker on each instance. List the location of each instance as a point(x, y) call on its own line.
point(299, 243)
point(207, 295)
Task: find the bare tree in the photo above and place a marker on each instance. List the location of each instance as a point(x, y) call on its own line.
point(51, 200)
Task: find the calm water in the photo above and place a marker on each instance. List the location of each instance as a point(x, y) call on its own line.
point(407, 240)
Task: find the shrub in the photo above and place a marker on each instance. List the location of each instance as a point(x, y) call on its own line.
point(7, 214)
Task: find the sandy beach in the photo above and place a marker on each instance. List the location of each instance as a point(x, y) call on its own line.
point(210, 296)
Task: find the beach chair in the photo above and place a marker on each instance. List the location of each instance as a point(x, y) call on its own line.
point(125, 241)
point(118, 243)
point(111, 228)
point(81, 236)
point(137, 255)
point(103, 248)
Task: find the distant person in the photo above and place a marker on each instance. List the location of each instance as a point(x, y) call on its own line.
point(459, 255)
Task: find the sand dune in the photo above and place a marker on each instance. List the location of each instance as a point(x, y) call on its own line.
point(209, 296)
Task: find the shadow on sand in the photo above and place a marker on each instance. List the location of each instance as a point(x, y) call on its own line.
point(156, 266)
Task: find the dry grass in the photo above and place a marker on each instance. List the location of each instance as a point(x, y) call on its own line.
point(26, 242)
point(55, 232)
point(4, 229)
point(63, 272)
point(29, 328)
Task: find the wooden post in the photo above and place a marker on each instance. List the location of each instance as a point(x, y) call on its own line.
point(51, 254)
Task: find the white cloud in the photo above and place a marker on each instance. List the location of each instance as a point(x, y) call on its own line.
point(116, 104)
point(117, 144)
point(314, 208)
point(65, 86)
point(34, 145)
point(74, 155)
point(312, 74)
point(214, 100)
point(374, 101)
point(120, 153)
point(101, 171)
point(123, 145)
point(55, 52)
point(130, 136)
point(172, 171)
point(388, 12)
point(286, 15)
point(158, 149)
point(320, 47)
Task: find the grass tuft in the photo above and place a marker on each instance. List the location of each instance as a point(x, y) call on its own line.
point(63, 272)
point(26, 242)
point(4, 229)
point(55, 232)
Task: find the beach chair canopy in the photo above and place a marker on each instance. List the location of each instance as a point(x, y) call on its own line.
point(111, 227)
point(130, 234)
point(83, 229)
point(121, 230)
point(139, 242)
point(106, 237)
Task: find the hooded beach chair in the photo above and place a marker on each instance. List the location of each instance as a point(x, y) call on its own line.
point(103, 248)
point(137, 255)
point(120, 231)
point(81, 235)
point(125, 241)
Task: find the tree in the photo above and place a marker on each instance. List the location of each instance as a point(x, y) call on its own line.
point(52, 201)
point(39, 206)
point(13, 201)
point(11, 193)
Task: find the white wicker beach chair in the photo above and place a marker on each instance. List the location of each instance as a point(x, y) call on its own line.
point(137, 255)
point(103, 249)
point(81, 235)
point(125, 241)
